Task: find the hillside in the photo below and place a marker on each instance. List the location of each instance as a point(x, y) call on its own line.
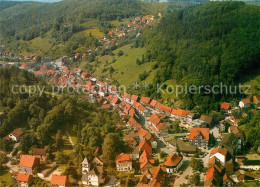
point(206, 45)
point(25, 26)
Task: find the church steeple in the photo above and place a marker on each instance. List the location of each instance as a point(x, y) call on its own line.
point(85, 165)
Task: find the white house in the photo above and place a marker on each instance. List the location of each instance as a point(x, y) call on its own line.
point(245, 103)
point(124, 162)
point(219, 153)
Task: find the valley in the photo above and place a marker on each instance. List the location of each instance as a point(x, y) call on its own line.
point(129, 93)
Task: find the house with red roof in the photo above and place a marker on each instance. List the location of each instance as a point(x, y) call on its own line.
point(134, 98)
point(60, 181)
point(173, 163)
point(144, 134)
point(111, 33)
point(15, 135)
point(163, 109)
point(127, 97)
point(140, 108)
point(145, 145)
point(124, 162)
point(220, 153)
point(134, 124)
point(115, 101)
point(181, 114)
point(145, 100)
point(154, 120)
point(77, 55)
point(256, 99)
point(153, 103)
point(138, 18)
point(24, 179)
point(225, 106)
point(162, 128)
point(28, 163)
point(199, 136)
point(145, 161)
point(213, 177)
point(153, 177)
point(131, 139)
point(132, 112)
point(245, 103)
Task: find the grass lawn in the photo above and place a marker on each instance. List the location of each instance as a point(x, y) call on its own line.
point(255, 85)
point(95, 32)
point(252, 79)
point(126, 70)
point(117, 23)
point(6, 178)
point(73, 136)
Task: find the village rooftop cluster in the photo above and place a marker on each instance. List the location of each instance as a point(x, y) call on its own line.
point(150, 123)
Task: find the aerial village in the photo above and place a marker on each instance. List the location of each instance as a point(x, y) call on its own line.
point(163, 153)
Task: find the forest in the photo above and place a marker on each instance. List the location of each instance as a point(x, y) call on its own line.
point(45, 121)
point(206, 44)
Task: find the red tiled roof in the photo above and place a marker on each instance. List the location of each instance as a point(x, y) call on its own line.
point(123, 158)
point(194, 132)
point(145, 145)
point(126, 95)
point(27, 161)
point(145, 100)
point(218, 150)
point(132, 112)
point(158, 178)
point(154, 119)
point(139, 106)
point(153, 103)
point(161, 126)
point(173, 160)
point(246, 101)
point(134, 97)
point(180, 112)
point(162, 107)
point(60, 180)
point(225, 106)
point(144, 159)
point(115, 100)
point(23, 177)
point(142, 132)
point(17, 132)
point(212, 173)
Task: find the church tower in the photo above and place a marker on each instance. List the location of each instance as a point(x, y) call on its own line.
point(85, 166)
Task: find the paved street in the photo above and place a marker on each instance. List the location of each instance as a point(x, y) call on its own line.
point(187, 170)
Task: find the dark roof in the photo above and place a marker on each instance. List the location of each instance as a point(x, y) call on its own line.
point(230, 142)
point(183, 147)
point(206, 119)
point(37, 151)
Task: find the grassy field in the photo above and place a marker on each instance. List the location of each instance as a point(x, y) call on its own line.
point(252, 79)
point(117, 23)
point(6, 178)
point(95, 32)
point(73, 136)
point(126, 70)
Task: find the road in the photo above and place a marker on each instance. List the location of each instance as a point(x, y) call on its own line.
point(187, 171)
